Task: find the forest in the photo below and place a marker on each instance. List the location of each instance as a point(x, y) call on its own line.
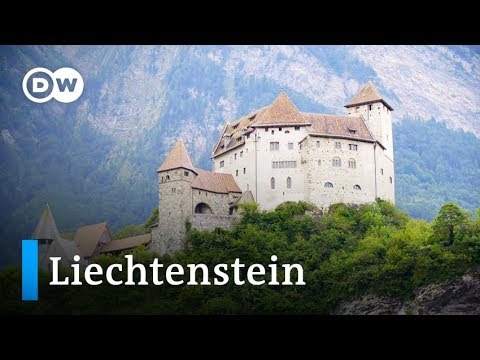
point(345, 253)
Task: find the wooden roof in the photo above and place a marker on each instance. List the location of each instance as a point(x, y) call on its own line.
point(87, 237)
point(126, 243)
point(46, 227)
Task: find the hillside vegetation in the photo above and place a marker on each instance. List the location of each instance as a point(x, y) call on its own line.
point(348, 252)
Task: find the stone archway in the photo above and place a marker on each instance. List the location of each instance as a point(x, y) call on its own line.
point(203, 208)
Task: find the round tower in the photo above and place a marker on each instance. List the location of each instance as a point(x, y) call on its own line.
point(175, 178)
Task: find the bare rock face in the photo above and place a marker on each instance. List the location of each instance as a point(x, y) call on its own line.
point(456, 297)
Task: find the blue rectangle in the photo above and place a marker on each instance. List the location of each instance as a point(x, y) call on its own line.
point(30, 270)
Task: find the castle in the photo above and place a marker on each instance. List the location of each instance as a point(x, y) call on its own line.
point(270, 156)
point(278, 154)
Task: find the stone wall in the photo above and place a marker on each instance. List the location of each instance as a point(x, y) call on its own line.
point(317, 160)
point(218, 203)
point(211, 222)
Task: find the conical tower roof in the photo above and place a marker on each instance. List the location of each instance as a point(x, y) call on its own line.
point(177, 158)
point(367, 94)
point(46, 227)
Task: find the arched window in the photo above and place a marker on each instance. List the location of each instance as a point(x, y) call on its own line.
point(357, 187)
point(328, 185)
point(352, 163)
point(167, 178)
point(272, 183)
point(336, 162)
point(289, 183)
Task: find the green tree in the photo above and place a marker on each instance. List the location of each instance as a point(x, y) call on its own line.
point(449, 221)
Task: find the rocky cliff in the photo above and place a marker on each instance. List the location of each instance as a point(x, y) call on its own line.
point(456, 297)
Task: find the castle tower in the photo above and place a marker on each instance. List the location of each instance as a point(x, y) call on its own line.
point(377, 114)
point(45, 232)
point(175, 178)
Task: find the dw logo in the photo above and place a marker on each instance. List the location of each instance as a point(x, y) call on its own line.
point(40, 85)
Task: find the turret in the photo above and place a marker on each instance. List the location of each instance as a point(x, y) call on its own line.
point(377, 114)
point(175, 177)
point(45, 232)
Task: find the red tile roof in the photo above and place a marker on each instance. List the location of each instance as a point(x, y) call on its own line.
point(367, 94)
point(281, 112)
point(233, 134)
point(344, 126)
point(215, 182)
point(177, 158)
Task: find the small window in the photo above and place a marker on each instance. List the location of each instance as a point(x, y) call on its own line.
point(290, 146)
point(266, 129)
point(235, 126)
point(319, 162)
point(273, 132)
point(297, 128)
point(274, 146)
point(162, 179)
point(244, 170)
point(318, 144)
point(338, 145)
point(357, 187)
point(173, 190)
point(328, 185)
point(236, 172)
point(239, 138)
point(391, 180)
point(185, 173)
point(199, 193)
point(287, 132)
point(235, 156)
point(167, 178)
point(279, 129)
point(370, 107)
point(337, 162)
point(272, 183)
point(248, 136)
point(352, 164)
point(252, 117)
point(222, 163)
point(241, 153)
point(289, 183)
point(353, 147)
point(381, 171)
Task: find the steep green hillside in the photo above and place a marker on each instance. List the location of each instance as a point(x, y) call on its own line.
point(433, 165)
point(349, 252)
